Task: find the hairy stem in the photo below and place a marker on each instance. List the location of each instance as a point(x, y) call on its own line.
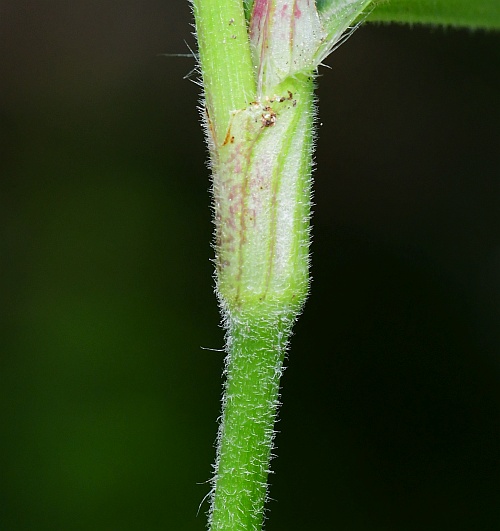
point(257, 60)
point(254, 366)
point(262, 260)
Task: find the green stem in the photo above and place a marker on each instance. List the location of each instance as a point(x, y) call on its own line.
point(260, 110)
point(254, 366)
point(262, 284)
point(228, 78)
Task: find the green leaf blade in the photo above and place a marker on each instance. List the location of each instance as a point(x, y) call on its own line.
point(474, 14)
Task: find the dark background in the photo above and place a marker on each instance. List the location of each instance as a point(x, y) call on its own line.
point(108, 405)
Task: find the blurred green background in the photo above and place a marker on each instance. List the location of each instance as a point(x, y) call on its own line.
point(108, 403)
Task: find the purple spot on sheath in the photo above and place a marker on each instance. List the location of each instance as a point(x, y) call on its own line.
point(260, 8)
